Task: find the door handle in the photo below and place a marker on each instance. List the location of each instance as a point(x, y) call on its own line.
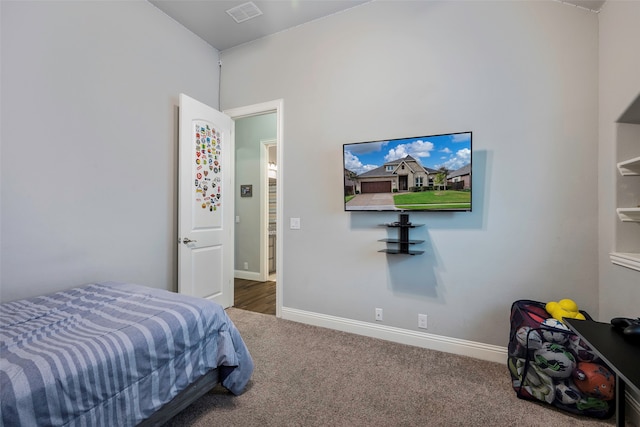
point(187, 240)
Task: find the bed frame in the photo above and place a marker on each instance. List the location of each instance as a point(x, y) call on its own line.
point(185, 398)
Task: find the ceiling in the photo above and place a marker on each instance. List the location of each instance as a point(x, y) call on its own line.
point(209, 19)
point(593, 5)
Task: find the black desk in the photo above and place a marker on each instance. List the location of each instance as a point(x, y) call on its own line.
point(622, 356)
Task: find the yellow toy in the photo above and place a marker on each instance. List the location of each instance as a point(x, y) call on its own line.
point(564, 308)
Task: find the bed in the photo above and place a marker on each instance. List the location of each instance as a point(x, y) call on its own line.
point(114, 354)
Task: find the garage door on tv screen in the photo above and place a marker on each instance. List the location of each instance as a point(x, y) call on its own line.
point(416, 174)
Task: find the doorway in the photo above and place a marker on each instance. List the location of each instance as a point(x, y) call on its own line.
point(262, 158)
point(260, 295)
point(404, 182)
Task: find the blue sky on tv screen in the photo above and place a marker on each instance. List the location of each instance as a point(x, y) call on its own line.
point(452, 151)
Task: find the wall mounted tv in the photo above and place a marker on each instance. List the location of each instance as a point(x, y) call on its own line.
point(421, 173)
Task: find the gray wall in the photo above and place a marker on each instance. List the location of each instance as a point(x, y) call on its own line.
point(249, 132)
point(88, 150)
point(89, 155)
point(522, 76)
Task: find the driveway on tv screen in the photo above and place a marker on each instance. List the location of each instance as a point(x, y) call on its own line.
point(372, 201)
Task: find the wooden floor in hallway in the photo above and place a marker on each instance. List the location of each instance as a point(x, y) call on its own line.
point(252, 295)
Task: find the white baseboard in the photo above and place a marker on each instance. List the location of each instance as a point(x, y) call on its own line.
point(247, 275)
point(491, 353)
point(478, 350)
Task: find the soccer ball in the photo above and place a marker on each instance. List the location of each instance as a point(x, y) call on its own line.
point(554, 331)
point(581, 350)
point(567, 393)
point(534, 315)
point(538, 384)
point(555, 360)
point(535, 384)
point(529, 338)
point(594, 380)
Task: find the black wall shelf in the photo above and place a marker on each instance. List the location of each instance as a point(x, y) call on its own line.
point(403, 241)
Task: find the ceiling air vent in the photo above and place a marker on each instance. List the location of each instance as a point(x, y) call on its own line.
point(244, 12)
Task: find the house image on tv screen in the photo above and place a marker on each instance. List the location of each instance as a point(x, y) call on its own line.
point(389, 175)
point(460, 179)
point(396, 175)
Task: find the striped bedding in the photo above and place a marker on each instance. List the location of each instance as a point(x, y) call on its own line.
point(110, 354)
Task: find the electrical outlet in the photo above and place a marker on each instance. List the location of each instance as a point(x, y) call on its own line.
point(422, 321)
point(379, 314)
point(246, 265)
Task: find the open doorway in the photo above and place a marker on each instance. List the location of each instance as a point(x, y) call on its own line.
point(258, 210)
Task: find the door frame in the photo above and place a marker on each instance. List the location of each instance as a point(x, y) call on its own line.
point(276, 107)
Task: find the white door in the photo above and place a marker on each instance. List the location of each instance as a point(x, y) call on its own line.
point(205, 202)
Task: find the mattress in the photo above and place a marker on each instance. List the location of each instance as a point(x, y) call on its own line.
point(111, 354)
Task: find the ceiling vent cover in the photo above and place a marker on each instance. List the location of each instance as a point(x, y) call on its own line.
point(244, 12)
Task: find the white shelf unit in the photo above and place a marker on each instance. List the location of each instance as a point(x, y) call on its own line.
point(626, 260)
point(627, 234)
point(629, 214)
point(629, 167)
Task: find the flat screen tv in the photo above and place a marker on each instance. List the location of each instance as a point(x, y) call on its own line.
point(421, 173)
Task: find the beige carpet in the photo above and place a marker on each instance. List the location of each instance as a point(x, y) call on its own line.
point(310, 376)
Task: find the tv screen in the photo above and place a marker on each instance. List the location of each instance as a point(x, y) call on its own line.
point(421, 173)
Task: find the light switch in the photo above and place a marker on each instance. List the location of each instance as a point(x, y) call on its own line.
point(294, 223)
point(237, 219)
